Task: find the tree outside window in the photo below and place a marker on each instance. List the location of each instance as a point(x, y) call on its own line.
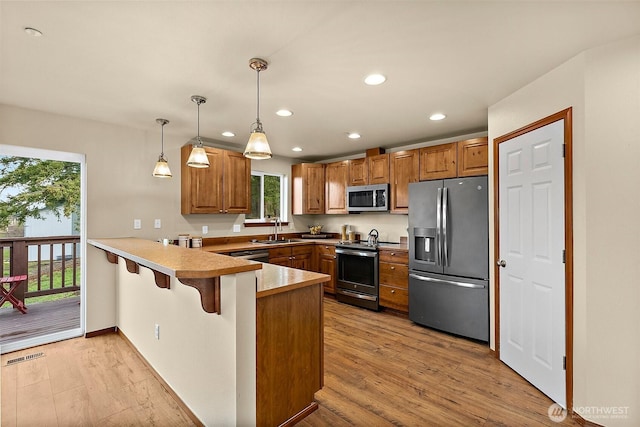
point(267, 197)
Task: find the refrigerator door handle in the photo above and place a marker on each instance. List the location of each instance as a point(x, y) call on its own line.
point(447, 282)
point(439, 228)
point(445, 208)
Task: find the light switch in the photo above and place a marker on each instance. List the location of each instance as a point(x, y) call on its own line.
point(157, 223)
point(137, 224)
point(205, 229)
point(236, 228)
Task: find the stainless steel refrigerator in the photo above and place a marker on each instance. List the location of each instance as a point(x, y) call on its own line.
point(449, 256)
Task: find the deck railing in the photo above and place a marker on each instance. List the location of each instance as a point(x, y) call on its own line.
point(52, 264)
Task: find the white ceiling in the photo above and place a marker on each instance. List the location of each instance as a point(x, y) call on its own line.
point(129, 62)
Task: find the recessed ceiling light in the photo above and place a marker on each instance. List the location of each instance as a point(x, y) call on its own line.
point(33, 32)
point(296, 149)
point(374, 79)
point(354, 135)
point(284, 113)
point(228, 134)
point(437, 116)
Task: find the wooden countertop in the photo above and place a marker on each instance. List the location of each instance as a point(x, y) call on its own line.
point(245, 246)
point(274, 279)
point(174, 260)
point(184, 263)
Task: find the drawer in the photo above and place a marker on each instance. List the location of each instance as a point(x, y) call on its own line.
point(326, 249)
point(301, 249)
point(395, 298)
point(280, 252)
point(394, 274)
point(392, 255)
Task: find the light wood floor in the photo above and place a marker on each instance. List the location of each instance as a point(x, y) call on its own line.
point(380, 370)
point(98, 381)
point(384, 370)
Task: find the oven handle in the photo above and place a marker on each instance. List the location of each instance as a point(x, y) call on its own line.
point(370, 254)
point(448, 282)
point(357, 295)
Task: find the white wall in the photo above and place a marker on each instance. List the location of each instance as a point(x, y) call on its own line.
point(603, 87)
point(209, 360)
point(119, 188)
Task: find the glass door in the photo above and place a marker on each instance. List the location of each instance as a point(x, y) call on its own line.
point(42, 237)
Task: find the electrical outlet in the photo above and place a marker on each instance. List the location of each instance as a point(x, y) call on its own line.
point(157, 331)
point(137, 224)
point(205, 229)
point(157, 223)
point(236, 228)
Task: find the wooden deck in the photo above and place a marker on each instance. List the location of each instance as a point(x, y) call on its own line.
point(42, 318)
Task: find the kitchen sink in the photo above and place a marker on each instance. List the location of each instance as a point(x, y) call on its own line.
point(273, 242)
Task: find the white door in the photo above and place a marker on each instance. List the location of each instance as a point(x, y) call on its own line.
point(531, 244)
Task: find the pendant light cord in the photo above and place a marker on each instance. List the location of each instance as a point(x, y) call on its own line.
point(162, 150)
point(258, 99)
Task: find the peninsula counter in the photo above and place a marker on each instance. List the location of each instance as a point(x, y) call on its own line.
point(255, 359)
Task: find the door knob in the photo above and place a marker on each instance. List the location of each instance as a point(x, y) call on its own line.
point(502, 263)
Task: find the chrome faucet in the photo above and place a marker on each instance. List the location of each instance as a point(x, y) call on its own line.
point(277, 223)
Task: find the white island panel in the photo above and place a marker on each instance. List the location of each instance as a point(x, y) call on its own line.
point(207, 359)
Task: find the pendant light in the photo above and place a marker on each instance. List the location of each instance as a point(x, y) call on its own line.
point(162, 167)
point(198, 157)
point(258, 146)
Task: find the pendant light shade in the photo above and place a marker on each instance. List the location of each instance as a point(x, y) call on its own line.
point(258, 147)
point(198, 157)
point(162, 167)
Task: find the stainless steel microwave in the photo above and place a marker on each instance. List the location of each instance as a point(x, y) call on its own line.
point(363, 198)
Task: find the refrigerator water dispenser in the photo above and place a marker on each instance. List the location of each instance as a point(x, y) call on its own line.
point(425, 244)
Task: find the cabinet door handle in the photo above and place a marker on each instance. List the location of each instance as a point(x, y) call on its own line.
point(393, 254)
point(393, 268)
point(334, 257)
point(393, 291)
point(220, 210)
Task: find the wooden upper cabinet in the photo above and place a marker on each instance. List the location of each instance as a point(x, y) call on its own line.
point(473, 157)
point(438, 162)
point(236, 183)
point(336, 187)
point(403, 169)
point(223, 187)
point(307, 190)
point(358, 172)
point(378, 169)
point(369, 170)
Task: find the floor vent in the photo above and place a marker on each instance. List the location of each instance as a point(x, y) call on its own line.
point(24, 358)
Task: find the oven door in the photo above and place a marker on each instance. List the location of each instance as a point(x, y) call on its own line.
point(357, 277)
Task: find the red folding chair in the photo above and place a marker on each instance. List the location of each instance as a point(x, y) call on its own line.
point(14, 283)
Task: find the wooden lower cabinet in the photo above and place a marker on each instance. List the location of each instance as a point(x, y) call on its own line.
point(394, 279)
point(289, 354)
point(300, 257)
point(326, 263)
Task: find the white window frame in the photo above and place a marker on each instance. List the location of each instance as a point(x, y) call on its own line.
point(284, 190)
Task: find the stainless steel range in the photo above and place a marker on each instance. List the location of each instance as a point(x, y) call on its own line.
point(357, 280)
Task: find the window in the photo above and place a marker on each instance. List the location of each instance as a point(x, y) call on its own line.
point(268, 197)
